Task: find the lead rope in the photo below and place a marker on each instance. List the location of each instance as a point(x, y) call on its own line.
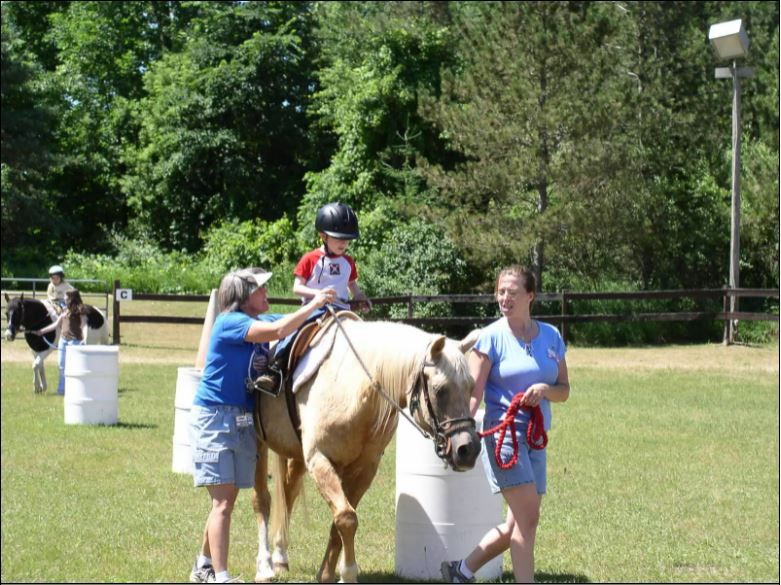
point(371, 379)
point(536, 436)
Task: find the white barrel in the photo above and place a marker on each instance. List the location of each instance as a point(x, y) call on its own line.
point(91, 385)
point(441, 514)
point(187, 382)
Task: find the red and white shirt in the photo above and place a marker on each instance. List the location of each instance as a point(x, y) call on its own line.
point(320, 270)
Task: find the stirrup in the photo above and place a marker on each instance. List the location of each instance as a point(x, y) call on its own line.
point(271, 384)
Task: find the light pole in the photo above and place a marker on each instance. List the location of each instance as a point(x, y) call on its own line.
point(730, 41)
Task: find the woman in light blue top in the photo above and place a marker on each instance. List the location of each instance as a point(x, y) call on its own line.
point(515, 354)
point(221, 422)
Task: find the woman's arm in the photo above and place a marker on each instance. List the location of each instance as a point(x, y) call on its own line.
point(479, 367)
point(262, 331)
point(559, 392)
point(51, 327)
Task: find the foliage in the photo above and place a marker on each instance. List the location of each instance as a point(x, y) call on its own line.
point(28, 150)
point(140, 265)
point(232, 245)
point(223, 129)
point(587, 139)
point(416, 258)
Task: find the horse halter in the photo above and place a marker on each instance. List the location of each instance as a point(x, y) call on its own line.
point(442, 430)
point(442, 434)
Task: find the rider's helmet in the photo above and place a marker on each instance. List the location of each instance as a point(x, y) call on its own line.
point(337, 220)
point(57, 270)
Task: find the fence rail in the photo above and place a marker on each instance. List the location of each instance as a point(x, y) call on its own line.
point(562, 319)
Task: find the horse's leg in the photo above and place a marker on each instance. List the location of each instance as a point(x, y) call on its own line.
point(329, 483)
point(356, 480)
point(261, 504)
point(294, 475)
point(39, 372)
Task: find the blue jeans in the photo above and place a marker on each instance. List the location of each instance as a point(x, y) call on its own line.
point(64, 343)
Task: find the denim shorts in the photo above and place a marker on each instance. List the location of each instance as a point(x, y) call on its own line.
point(224, 446)
point(531, 466)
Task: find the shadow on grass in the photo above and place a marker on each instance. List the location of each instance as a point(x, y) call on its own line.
point(132, 426)
point(507, 577)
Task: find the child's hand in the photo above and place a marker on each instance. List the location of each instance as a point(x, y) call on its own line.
point(363, 305)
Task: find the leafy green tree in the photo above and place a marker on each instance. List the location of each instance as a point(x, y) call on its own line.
point(377, 59)
point(104, 50)
point(533, 110)
point(224, 133)
point(28, 152)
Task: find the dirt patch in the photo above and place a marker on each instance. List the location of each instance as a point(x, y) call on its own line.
point(711, 357)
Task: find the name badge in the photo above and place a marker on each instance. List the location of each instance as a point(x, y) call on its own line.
point(244, 420)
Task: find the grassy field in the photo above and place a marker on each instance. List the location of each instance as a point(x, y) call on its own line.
point(663, 467)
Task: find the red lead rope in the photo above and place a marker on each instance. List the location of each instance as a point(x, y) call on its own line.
point(536, 436)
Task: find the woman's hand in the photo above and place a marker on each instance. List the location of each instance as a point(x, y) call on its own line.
point(37, 332)
point(324, 296)
point(534, 395)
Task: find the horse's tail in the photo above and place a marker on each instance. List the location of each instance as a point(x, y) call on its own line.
point(280, 519)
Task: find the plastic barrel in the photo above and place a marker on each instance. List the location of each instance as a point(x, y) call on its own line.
point(441, 514)
point(91, 385)
point(187, 382)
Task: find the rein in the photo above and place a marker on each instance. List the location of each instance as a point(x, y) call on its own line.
point(536, 436)
point(441, 440)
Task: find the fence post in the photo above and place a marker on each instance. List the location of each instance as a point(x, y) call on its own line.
point(564, 315)
point(115, 315)
point(725, 308)
point(410, 308)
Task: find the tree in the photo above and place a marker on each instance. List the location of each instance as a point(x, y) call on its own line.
point(377, 60)
point(28, 150)
point(224, 133)
point(534, 109)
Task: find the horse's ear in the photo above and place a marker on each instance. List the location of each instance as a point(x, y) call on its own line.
point(469, 341)
point(436, 347)
point(7, 300)
point(21, 296)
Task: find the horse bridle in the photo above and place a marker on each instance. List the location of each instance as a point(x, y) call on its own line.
point(442, 430)
point(442, 433)
point(22, 328)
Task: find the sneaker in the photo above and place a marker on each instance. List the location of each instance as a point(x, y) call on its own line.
point(451, 573)
point(202, 574)
point(212, 579)
point(269, 383)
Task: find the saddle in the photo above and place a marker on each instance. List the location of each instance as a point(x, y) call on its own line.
point(309, 335)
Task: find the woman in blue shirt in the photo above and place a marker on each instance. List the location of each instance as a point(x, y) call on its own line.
point(221, 425)
point(515, 354)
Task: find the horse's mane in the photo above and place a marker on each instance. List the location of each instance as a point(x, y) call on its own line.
point(394, 354)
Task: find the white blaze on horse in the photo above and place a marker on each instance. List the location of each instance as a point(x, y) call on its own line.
point(346, 424)
point(28, 315)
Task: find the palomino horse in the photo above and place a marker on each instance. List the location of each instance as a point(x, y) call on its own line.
point(346, 424)
point(30, 315)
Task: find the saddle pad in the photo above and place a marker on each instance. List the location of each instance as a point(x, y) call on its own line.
point(311, 361)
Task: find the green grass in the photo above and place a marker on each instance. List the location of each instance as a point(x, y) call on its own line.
point(654, 476)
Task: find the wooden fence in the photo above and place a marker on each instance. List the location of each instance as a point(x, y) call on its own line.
point(562, 318)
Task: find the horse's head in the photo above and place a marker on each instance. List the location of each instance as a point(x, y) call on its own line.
point(440, 404)
point(14, 311)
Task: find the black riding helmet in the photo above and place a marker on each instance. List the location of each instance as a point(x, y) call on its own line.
point(337, 220)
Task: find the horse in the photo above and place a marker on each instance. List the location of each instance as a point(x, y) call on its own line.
point(346, 424)
point(29, 315)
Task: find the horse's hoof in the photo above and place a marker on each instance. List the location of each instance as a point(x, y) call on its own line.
point(265, 576)
point(281, 567)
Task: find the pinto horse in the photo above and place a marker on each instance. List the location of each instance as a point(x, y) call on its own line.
point(346, 424)
point(27, 315)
